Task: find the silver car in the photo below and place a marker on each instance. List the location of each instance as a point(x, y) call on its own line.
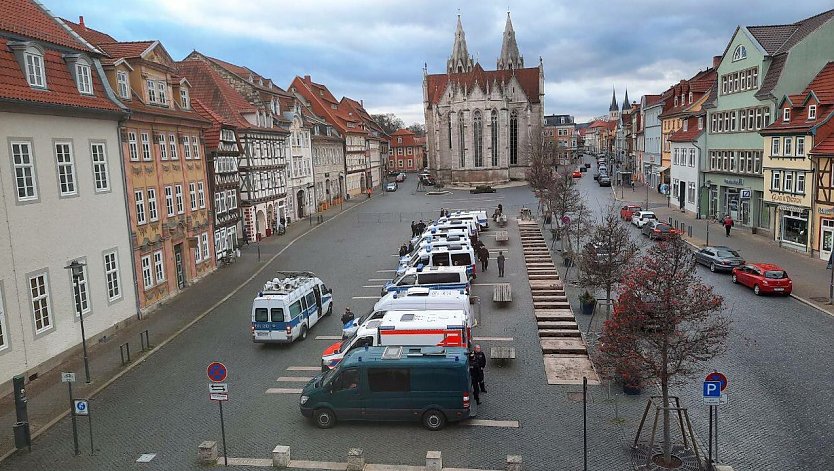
point(719, 258)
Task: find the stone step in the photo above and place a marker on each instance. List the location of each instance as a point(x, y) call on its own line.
point(548, 292)
point(551, 305)
point(569, 369)
point(558, 325)
point(559, 333)
point(569, 345)
point(546, 284)
point(555, 318)
point(542, 276)
point(548, 297)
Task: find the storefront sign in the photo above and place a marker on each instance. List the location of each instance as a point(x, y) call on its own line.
point(734, 181)
point(825, 211)
point(780, 198)
point(744, 194)
point(784, 207)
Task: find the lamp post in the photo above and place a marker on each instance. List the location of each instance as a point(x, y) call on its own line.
point(341, 191)
point(77, 270)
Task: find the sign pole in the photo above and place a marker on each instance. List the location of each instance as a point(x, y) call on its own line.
point(716, 434)
point(223, 433)
point(709, 462)
point(585, 422)
point(72, 414)
point(90, 426)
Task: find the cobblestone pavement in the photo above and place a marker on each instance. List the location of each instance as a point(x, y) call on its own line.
point(161, 406)
point(781, 407)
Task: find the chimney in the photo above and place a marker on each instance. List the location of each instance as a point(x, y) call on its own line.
point(307, 79)
point(81, 22)
point(716, 61)
point(362, 103)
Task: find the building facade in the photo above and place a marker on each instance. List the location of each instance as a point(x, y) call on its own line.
point(407, 153)
point(300, 159)
point(685, 171)
point(61, 195)
point(652, 106)
point(560, 134)
point(481, 126)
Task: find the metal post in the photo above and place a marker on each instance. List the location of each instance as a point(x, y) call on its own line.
point(77, 295)
point(707, 231)
point(716, 434)
point(72, 414)
point(223, 433)
point(585, 422)
point(259, 251)
point(709, 459)
point(90, 426)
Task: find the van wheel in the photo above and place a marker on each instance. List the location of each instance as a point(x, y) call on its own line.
point(325, 418)
point(434, 420)
point(303, 335)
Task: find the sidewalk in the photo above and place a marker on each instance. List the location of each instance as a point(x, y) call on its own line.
point(810, 277)
point(48, 399)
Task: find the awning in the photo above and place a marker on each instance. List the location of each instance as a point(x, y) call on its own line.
point(662, 169)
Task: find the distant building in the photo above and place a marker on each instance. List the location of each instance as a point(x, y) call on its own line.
point(407, 153)
point(559, 133)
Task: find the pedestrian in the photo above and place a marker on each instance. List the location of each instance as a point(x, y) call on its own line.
point(403, 250)
point(501, 259)
point(347, 316)
point(410, 247)
point(442, 212)
point(413, 229)
point(728, 223)
point(476, 376)
point(483, 255)
point(477, 359)
point(421, 227)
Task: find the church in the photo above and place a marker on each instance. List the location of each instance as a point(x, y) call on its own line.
point(481, 125)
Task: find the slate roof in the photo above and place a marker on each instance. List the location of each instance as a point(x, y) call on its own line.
point(777, 63)
point(528, 79)
point(245, 72)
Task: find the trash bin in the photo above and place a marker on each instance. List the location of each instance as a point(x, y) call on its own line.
point(21, 435)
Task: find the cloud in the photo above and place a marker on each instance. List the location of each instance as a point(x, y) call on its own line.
point(374, 50)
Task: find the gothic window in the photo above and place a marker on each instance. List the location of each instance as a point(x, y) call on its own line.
point(450, 130)
point(478, 135)
point(514, 138)
point(493, 124)
point(462, 140)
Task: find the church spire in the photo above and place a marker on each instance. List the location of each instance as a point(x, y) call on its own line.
point(613, 106)
point(509, 58)
point(626, 103)
point(460, 60)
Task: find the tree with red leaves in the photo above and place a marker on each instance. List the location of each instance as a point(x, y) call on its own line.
point(665, 323)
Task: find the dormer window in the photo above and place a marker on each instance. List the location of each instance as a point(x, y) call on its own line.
point(676, 101)
point(121, 81)
point(185, 101)
point(690, 98)
point(686, 125)
point(812, 112)
point(739, 53)
point(83, 78)
point(151, 91)
point(34, 69)
point(162, 94)
point(786, 115)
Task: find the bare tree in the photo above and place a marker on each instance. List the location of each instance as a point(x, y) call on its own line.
point(605, 260)
point(418, 129)
point(389, 122)
point(561, 198)
point(666, 322)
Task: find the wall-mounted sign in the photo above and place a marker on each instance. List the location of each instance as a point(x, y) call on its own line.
point(744, 194)
point(780, 198)
point(734, 181)
point(825, 211)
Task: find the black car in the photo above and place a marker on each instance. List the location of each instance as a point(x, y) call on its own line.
point(596, 175)
point(587, 165)
point(482, 189)
point(604, 180)
point(719, 258)
point(583, 169)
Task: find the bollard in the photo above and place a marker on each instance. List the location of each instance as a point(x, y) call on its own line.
point(513, 462)
point(144, 340)
point(434, 461)
point(124, 348)
point(689, 230)
point(356, 460)
point(207, 452)
point(281, 456)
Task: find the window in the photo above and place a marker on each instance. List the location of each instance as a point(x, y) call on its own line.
point(478, 136)
point(812, 112)
point(461, 141)
point(34, 70)
point(172, 143)
point(788, 151)
point(81, 292)
point(39, 292)
point(786, 115)
point(151, 91)
point(800, 146)
point(169, 200)
point(159, 266)
point(800, 182)
point(775, 180)
point(147, 274)
point(84, 79)
point(121, 80)
point(389, 379)
point(186, 148)
point(789, 181)
point(100, 171)
point(201, 194)
point(139, 199)
point(700, 123)
point(775, 146)
point(185, 103)
point(691, 192)
point(205, 241)
point(111, 275)
point(180, 208)
point(449, 126)
point(162, 95)
point(514, 138)
point(757, 162)
point(691, 157)
point(192, 195)
point(24, 171)
point(493, 124)
point(66, 169)
point(163, 150)
point(198, 256)
point(195, 147)
point(146, 147)
point(152, 212)
point(133, 150)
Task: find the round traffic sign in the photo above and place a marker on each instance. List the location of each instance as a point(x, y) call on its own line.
point(565, 219)
point(216, 371)
point(720, 377)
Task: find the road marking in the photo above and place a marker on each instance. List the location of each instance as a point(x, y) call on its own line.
point(386, 271)
point(295, 379)
point(365, 297)
point(379, 279)
point(328, 337)
point(373, 286)
point(255, 462)
point(146, 457)
point(492, 339)
point(283, 391)
point(304, 368)
point(491, 423)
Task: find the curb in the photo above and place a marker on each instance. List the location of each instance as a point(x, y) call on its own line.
point(811, 304)
point(46, 427)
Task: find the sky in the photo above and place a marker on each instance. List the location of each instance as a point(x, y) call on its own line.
point(375, 50)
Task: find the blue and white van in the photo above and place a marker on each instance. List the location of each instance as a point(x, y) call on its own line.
point(443, 255)
point(288, 306)
point(456, 278)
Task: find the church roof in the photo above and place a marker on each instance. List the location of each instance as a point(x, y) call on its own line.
point(613, 106)
point(510, 57)
point(528, 78)
point(626, 103)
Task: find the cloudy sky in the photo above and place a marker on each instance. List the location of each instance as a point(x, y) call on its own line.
point(374, 50)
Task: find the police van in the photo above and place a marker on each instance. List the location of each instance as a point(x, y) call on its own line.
point(448, 239)
point(408, 327)
point(455, 255)
point(471, 227)
point(430, 277)
point(478, 216)
point(433, 235)
point(288, 306)
point(417, 299)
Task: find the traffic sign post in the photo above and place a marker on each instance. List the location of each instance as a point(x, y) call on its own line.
point(216, 372)
point(69, 378)
point(82, 407)
point(714, 385)
point(219, 391)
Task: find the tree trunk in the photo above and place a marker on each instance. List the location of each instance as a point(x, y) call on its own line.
point(667, 433)
point(608, 302)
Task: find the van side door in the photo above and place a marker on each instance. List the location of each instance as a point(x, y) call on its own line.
point(346, 394)
point(388, 394)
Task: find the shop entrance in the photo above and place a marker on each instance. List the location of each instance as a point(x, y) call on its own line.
point(826, 238)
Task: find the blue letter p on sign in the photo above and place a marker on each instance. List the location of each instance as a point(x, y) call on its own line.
point(712, 389)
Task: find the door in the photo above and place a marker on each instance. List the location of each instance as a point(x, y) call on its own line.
point(179, 265)
point(317, 292)
point(682, 193)
point(346, 395)
point(826, 238)
point(744, 212)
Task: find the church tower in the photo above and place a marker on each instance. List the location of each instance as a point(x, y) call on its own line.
point(460, 61)
point(613, 110)
point(626, 104)
point(510, 58)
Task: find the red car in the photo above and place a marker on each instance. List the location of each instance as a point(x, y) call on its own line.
point(763, 278)
point(629, 209)
point(576, 174)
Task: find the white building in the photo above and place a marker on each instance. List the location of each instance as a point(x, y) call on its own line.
point(652, 106)
point(686, 145)
point(62, 197)
point(300, 165)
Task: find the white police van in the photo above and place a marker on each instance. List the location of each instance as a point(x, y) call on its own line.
point(429, 277)
point(288, 306)
point(479, 216)
point(433, 235)
point(454, 255)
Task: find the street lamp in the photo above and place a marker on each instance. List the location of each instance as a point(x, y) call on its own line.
point(77, 270)
point(341, 191)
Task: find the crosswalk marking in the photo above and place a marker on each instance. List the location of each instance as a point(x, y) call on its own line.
point(379, 279)
point(295, 379)
point(328, 337)
point(372, 286)
point(386, 271)
point(283, 391)
point(491, 423)
point(492, 339)
point(365, 297)
point(304, 368)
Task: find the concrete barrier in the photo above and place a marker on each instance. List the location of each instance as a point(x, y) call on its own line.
point(207, 452)
point(281, 456)
point(434, 461)
point(356, 460)
point(513, 463)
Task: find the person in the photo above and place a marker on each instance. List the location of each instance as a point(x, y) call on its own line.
point(483, 254)
point(369, 192)
point(495, 215)
point(501, 259)
point(478, 360)
point(442, 212)
point(421, 227)
point(347, 316)
point(500, 209)
point(410, 247)
point(728, 223)
point(476, 376)
point(403, 250)
point(413, 229)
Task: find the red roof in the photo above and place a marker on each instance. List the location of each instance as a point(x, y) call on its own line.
point(92, 36)
point(215, 93)
point(33, 20)
point(126, 50)
point(245, 72)
point(826, 146)
point(323, 102)
point(211, 136)
point(61, 87)
point(528, 78)
point(691, 134)
point(409, 139)
point(820, 92)
point(699, 84)
point(599, 124)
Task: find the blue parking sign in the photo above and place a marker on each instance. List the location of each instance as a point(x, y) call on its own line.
point(712, 388)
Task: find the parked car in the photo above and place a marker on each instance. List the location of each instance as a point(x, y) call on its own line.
point(576, 174)
point(482, 189)
point(656, 230)
point(587, 165)
point(392, 186)
point(640, 218)
point(596, 175)
point(628, 210)
point(583, 169)
point(763, 278)
point(400, 177)
point(604, 180)
point(719, 258)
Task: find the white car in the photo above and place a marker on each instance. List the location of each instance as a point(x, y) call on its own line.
point(640, 218)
